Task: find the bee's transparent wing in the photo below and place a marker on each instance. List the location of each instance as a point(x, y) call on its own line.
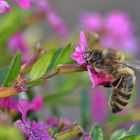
point(132, 63)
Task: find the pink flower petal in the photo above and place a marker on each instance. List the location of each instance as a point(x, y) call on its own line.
point(77, 54)
point(83, 41)
point(24, 4)
point(97, 78)
point(4, 7)
point(24, 105)
point(87, 138)
point(9, 103)
point(80, 47)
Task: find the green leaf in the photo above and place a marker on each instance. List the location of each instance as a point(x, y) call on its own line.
point(96, 132)
point(10, 133)
point(65, 55)
point(3, 72)
point(130, 138)
point(11, 22)
point(36, 82)
point(54, 58)
point(118, 134)
point(13, 70)
point(85, 107)
point(40, 67)
point(133, 130)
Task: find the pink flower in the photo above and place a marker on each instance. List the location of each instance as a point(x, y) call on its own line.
point(91, 21)
point(80, 48)
point(87, 138)
point(52, 121)
point(118, 24)
point(9, 103)
point(17, 41)
point(24, 4)
point(4, 7)
point(98, 106)
point(32, 129)
point(53, 18)
point(24, 105)
point(116, 29)
point(77, 55)
point(56, 23)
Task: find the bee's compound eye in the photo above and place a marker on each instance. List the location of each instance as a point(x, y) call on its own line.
point(86, 54)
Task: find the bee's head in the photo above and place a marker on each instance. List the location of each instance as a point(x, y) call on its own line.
point(94, 56)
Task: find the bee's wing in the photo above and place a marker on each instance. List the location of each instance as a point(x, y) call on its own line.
point(132, 63)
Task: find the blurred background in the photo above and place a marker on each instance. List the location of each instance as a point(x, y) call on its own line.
point(71, 96)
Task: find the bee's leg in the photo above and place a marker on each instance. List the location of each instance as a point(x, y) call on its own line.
point(117, 82)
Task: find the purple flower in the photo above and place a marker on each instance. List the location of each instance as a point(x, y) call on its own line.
point(24, 4)
point(52, 121)
point(17, 41)
point(118, 24)
point(54, 19)
point(17, 104)
point(77, 55)
point(4, 7)
point(56, 22)
point(91, 21)
point(32, 129)
point(98, 106)
point(24, 105)
point(9, 103)
point(87, 138)
point(116, 29)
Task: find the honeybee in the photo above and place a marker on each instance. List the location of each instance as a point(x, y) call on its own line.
point(114, 63)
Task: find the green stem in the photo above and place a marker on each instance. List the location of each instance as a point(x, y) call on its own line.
point(73, 131)
point(60, 69)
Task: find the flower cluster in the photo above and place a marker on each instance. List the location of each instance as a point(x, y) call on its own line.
point(116, 29)
point(32, 129)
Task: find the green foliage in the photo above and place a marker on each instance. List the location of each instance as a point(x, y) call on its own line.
point(85, 108)
point(121, 134)
point(96, 132)
point(11, 22)
point(13, 70)
point(3, 72)
point(54, 58)
point(134, 130)
point(10, 133)
point(131, 138)
point(35, 82)
point(64, 56)
point(40, 67)
point(118, 134)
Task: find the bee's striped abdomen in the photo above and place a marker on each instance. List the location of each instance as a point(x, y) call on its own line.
point(122, 90)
